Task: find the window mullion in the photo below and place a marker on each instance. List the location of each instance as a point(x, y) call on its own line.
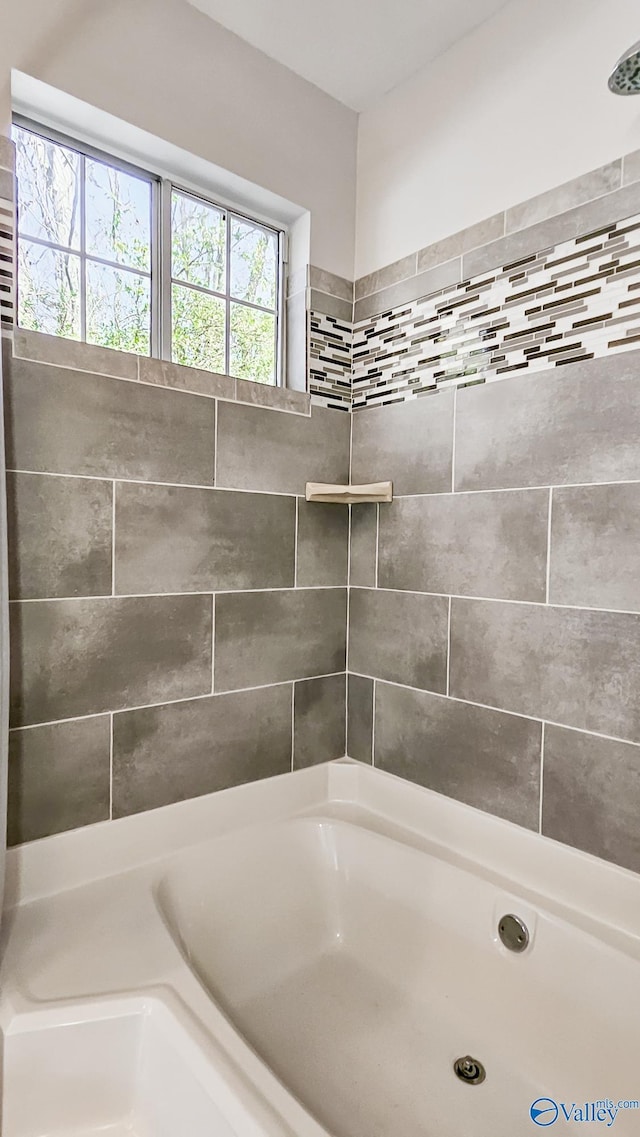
point(227, 326)
point(281, 315)
point(166, 346)
point(83, 250)
point(156, 285)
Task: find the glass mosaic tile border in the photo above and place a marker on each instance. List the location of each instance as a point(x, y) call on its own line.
point(329, 362)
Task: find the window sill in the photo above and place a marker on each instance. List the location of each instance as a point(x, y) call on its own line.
point(61, 352)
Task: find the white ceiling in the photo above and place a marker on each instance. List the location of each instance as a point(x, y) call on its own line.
point(355, 50)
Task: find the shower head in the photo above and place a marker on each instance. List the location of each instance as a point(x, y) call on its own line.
point(625, 77)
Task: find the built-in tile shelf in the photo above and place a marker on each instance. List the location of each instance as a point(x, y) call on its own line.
point(349, 495)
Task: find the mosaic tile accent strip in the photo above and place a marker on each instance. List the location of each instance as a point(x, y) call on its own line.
point(7, 260)
point(330, 342)
point(7, 240)
point(578, 300)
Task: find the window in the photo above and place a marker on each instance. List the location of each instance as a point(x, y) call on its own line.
point(119, 257)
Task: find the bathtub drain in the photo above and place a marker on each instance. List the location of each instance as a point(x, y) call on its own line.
point(469, 1070)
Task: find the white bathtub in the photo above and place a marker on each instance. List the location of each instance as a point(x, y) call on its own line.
point(335, 949)
point(359, 968)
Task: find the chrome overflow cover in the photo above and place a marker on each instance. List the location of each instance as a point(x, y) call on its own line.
point(469, 1070)
point(513, 933)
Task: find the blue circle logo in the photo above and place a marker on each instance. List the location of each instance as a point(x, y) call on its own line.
point(544, 1111)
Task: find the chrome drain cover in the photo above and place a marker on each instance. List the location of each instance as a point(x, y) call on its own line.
point(514, 933)
point(469, 1070)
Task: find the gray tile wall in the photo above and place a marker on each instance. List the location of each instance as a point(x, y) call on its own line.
point(494, 638)
point(178, 611)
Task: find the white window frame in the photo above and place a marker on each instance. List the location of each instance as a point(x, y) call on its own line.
point(160, 268)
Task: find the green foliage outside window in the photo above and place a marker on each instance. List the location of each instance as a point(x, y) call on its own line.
point(85, 257)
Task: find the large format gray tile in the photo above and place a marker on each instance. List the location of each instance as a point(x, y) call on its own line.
point(591, 797)
point(631, 167)
point(385, 277)
point(579, 423)
point(271, 450)
point(492, 544)
point(183, 750)
point(7, 185)
point(409, 443)
point(571, 666)
point(163, 373)
point(546, 234)
point(566, 196)
point(400, 636)
point(80, 657)
point(482, 232)
point(59, 533)
point(331, 306)
point(69, 422)
point(595, 541)
point(59, 778)
point(75, 354)
point(323, 544)
point(405, 291)
point(270, 637)
point(319, 720)
point(485, 758)
point(178, 539)
point(329, 282)
point(364, 537)
point(278, 398)
point(360, 718)
point(7, 153)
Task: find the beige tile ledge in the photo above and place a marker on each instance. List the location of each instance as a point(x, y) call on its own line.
point(105, 361)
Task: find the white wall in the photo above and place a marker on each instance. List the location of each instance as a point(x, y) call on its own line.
point(517, 107)
point(166, 68)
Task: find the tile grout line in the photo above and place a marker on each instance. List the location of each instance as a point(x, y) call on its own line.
point(348, 606)
point(213, 641)
point(293, 725)
point(200, 592)
point(172, 702)
point(448, 646)
point(110, 766)
point(346, 633)
point(330, 588)
point(453, 440)
point(548, 571)
point(113, 538)
point(151, 482)
point(373, 723)
point(377, 544)
point(490, 707)
point(477, 600)
point(215, 442)
point(279, 493)
point(295, 544)
point(541, 777)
